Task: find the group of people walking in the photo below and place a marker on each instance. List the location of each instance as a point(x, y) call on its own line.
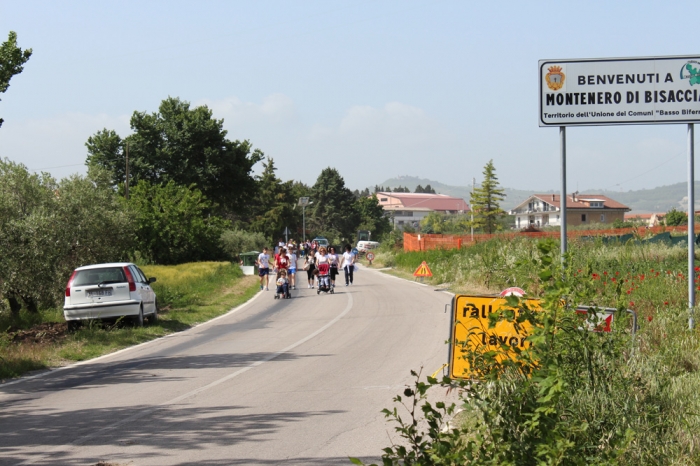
point(346, 261)
point(285, 264)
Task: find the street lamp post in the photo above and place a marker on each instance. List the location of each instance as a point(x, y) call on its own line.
point(303, 202)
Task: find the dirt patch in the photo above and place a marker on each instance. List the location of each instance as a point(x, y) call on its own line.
point(48, 332)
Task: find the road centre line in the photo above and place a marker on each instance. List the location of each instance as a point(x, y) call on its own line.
point(196, 391)
point(129, 348)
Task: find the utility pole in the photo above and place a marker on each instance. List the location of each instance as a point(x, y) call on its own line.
point(303, 202)
point(126, 184)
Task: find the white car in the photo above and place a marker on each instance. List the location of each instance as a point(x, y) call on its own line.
point(366, 246)
point(103, 291)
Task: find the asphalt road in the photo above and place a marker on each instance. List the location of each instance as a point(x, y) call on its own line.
point(299, 381)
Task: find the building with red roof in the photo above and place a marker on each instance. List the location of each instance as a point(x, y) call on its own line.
point(411, 208)
point(545, 209)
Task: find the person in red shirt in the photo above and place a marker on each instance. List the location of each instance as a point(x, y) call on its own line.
point(282, 261)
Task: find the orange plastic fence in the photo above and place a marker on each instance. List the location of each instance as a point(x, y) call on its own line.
point(426, 242)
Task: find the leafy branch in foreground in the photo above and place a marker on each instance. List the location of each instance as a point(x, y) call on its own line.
point(12, 60)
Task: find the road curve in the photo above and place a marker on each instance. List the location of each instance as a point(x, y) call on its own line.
point(298, 381)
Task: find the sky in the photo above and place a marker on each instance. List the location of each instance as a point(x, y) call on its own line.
point(375, 89)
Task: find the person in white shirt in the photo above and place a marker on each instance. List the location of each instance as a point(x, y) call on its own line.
point(293, 269)
point(334, 265)
point(348, 264)
point(264, 269)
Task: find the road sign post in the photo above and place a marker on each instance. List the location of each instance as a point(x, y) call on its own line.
point(624, 91)
point(370, 257)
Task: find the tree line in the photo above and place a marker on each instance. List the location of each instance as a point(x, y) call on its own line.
point(191, 195)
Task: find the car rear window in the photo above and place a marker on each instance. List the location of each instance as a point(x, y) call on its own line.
point(96, 276)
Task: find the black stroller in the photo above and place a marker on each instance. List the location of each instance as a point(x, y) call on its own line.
point(324, 279)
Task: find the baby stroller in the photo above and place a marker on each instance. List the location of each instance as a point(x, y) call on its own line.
point(282, 286)
point(324, 279)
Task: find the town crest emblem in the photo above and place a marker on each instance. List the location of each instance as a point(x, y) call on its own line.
point(555, 78)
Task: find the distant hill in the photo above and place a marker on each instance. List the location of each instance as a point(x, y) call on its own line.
point(661, 199)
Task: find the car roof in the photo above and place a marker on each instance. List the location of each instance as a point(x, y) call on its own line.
point(102, 266)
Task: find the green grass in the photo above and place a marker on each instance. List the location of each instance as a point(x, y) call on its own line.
point(188, 294)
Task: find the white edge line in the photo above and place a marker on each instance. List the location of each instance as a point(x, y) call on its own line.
point(196, 391)
point(400, 278)
point(128, 348)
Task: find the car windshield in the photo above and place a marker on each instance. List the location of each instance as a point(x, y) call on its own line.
point(99, 276)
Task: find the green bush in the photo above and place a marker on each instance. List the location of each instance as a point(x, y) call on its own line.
point(235, 242)
point(174, 224)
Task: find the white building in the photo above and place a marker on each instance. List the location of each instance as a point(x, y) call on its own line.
point(411, 208)
point(541, 210)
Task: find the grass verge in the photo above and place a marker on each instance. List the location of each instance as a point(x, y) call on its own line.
point(188, 294)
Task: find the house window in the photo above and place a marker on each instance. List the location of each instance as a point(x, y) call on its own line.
point(598, 204)
point(383, 199)
point(518, 222)
point(583, 218)
point(557, 218)
point(602, 218)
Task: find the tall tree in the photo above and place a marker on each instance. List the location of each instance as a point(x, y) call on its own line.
point(486, 201)
point(273, 209)
point(419, 189)
point(333, 211)
point(372, 216)
point(428, 189)
point(12, 60)
point(184, 145)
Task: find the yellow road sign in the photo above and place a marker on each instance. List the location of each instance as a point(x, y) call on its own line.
point(470, 332)
point(423, 271)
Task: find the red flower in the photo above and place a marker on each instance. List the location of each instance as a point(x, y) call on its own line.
point(617, 273)
point(629, 291)
point(652, 270)
point(595, 276)
point(649, 318)
point(614, 279)
point(605, 273)
point(666, 303)
point(697, 269)
point(631, 303)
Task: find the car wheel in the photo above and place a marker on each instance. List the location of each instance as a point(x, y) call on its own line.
point(153, 318)
point(138, 320)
